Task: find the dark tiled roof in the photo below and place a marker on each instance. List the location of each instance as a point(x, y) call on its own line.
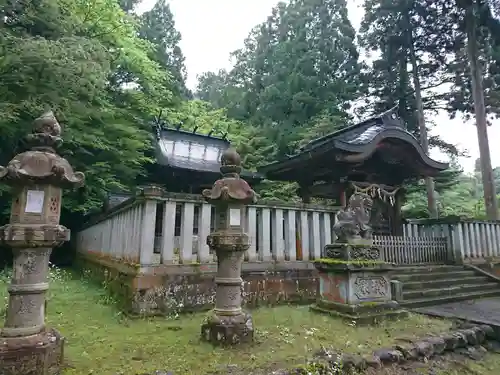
point(196, 152)
point(364, 132)
point(361, 138)
point(115, 199)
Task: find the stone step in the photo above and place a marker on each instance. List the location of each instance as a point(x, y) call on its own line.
point(400, 270)
point(449, 291)
point(429, 276)
point(443, 283)
point(422, 302)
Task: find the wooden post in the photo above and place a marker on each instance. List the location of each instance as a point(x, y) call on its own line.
point(343, 197)
point(397, 222)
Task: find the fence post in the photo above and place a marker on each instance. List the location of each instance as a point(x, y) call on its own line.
point(458, 243)
point(146, 250)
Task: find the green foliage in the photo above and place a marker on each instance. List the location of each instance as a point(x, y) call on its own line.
point(459, 200)
point(106, 71)
point(416, 34)
point(298, 74)
point(398, 29)
point(293, 80)
point(458, 195)
point(477, 15)
point(85, 61)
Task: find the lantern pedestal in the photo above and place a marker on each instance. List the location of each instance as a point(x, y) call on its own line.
point(354, 283)
point(40, 354)
point(228, 324)
point(27, 347)
point(228, 330)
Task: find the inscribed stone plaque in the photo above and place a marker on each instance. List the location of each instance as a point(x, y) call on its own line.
point(368, 286)
point(34, 201)
point(234, 216)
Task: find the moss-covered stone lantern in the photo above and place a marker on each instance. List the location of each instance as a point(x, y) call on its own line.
point(228, 324)
point(37, 176)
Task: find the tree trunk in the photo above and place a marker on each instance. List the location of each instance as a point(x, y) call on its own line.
point(490, 199)
point(429, 182)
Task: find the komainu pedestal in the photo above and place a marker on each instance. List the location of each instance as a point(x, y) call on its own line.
point(355, 284)
point(354, 281)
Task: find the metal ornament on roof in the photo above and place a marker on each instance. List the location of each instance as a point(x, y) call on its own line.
point(377, 191)
point(158, 124)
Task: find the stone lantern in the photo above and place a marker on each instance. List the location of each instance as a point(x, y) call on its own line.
point(228, 324)
point(37, 176)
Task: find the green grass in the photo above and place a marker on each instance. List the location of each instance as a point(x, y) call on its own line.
point(101, 340)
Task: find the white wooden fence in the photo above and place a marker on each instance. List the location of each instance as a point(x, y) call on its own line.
point(172, 229)
point(413, 250)
point(468, 241)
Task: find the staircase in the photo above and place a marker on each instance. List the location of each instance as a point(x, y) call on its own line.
point(433, 285)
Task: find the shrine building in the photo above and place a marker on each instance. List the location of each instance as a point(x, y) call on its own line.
point(376, 156)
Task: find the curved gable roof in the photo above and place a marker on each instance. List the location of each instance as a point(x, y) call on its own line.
point(361, 139)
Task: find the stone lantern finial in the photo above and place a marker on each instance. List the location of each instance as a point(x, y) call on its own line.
point(46, 133)
point(230, 162)
point(27, 345)
point(47, 124)
point(228, 324)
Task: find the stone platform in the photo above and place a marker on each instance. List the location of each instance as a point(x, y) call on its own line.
point(368, 313)
point(354, 283)
point(161, 289)
point(432, 285)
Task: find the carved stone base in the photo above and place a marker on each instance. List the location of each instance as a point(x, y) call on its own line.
point(40, 354)
point(354, 283)
point(364, 313)
point(228, 330)
point(356, 250)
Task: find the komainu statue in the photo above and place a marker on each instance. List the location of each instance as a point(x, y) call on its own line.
point(351, 223)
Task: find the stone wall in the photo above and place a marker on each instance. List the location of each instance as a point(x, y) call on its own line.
point(164, 290)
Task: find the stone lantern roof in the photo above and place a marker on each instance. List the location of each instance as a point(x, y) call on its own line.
point(231, 188)
point(41, 164)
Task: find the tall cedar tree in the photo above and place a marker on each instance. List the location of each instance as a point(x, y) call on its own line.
point(479, 87)
point(295, 70)
point(403, 31)
point(158, 27)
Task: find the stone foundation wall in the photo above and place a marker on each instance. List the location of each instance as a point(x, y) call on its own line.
point(170, 289)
